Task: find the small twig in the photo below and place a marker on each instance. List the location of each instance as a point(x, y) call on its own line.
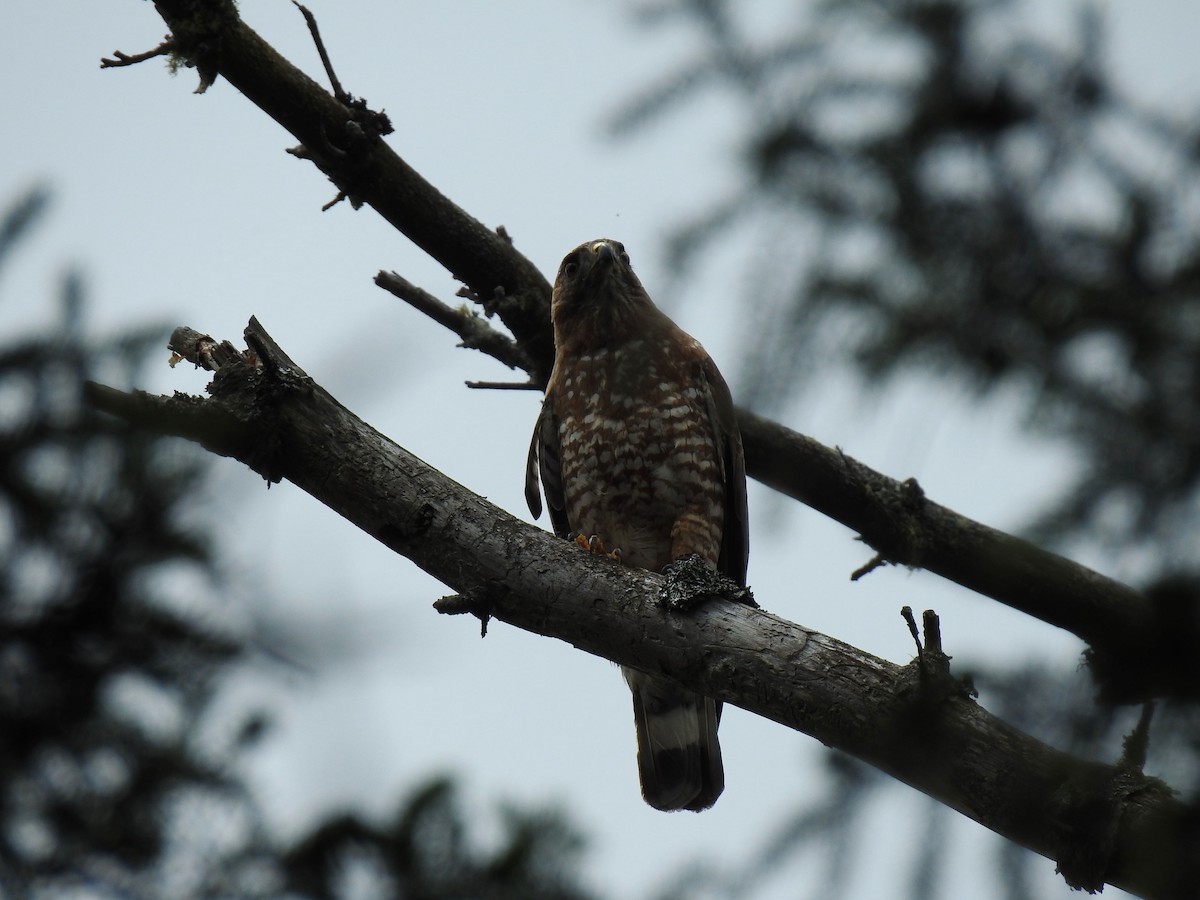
point(932, 663)
point(316, 36)
point(871, 565)
point(302, 152)
point(907, 613)
point(476, 334)
point(932, 628)
point(456, 605)
point(503, 385)
point(466, 604)
point(119, 59)
point(364, 123)
point(341, 195)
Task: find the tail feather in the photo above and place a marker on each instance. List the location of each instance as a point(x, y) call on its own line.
point(679, 758)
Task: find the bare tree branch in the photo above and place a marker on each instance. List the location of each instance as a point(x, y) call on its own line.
point(1103, 824)
point(343, 141)
point(1127, 633)
point(311, 21)
point(474, 330)
point(119, 59)
point(904, 527)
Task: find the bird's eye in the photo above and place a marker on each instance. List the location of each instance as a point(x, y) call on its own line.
point(623, 254)
point(570, 268)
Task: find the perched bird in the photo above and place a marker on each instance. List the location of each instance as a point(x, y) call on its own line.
point(639, 454)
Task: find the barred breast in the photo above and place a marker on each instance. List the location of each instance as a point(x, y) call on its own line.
point(639, 451)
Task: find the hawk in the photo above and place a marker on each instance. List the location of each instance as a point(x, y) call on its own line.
point(638, 450)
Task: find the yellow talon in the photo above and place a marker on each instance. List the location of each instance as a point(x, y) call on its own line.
point(595, 544)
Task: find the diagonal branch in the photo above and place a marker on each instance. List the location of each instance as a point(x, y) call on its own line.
point(119, 59)
point(1125, 631)
point(913, 722)
point(343, 141)
point(1127, 634)
point(475, 332)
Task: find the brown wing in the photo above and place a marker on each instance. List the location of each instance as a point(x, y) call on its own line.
point(544, 460)
point(735, 536)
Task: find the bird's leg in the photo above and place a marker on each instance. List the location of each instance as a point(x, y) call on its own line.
point(595, 544)
point(690, 581)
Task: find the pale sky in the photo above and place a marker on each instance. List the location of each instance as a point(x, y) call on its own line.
point(186, 209)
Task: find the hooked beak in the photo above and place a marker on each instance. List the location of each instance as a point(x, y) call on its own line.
point(605, 253)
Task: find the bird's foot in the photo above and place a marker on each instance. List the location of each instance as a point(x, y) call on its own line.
point(690, 582)
point(595, 544)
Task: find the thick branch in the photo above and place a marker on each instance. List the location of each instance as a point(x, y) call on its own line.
point(1127, 826)
point(895, 519)
point(905, 528)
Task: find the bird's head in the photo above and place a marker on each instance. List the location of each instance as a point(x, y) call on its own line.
point(597, 300)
